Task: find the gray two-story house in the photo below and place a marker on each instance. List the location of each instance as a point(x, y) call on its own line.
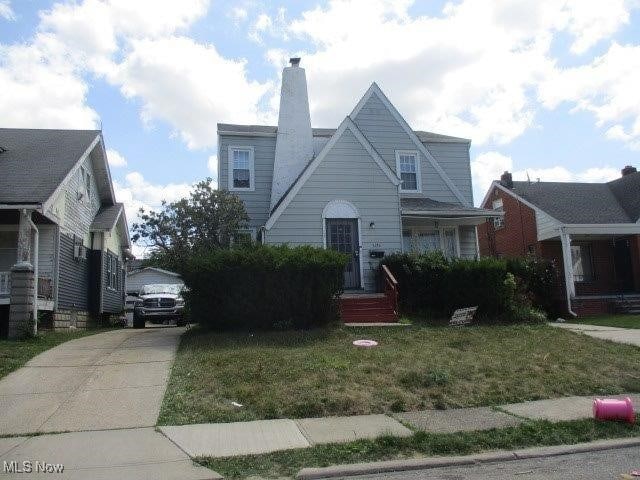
point(370, 187)
point(64, 239)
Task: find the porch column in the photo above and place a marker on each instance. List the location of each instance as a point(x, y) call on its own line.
point(567, 263)
point(22, 320)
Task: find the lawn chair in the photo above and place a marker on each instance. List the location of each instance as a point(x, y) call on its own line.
point(462, 316)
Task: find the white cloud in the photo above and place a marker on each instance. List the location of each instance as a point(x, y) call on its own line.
point(136, 193)
point(6, 11)
point(239, 14)
point(489, 166)
point(115, 158)
point(188, 85)
point(482, 87)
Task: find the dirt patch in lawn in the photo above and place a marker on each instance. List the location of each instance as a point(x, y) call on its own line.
point(319, 373)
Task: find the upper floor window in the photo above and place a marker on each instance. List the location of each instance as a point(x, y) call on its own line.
point(498, 222)
point(112, 271)
point(241, 168)
point(408, 169)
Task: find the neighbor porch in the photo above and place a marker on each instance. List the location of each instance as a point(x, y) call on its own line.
point(599, 270)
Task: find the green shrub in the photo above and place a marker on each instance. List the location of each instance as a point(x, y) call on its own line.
point(502, 289)
point(264, 287)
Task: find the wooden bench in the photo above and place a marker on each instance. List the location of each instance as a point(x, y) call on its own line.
point(462, 316)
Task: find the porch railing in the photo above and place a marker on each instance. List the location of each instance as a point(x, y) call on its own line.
point(5, 283)
point(390, 288)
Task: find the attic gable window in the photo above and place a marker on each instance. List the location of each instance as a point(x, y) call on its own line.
point(408, 169)
point(241, 168)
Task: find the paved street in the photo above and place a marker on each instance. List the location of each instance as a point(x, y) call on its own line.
point(603, 465)
point(110, 380)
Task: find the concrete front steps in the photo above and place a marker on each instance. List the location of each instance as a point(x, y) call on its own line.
point(367, 308)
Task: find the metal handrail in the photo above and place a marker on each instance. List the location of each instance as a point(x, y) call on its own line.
point(391, 287)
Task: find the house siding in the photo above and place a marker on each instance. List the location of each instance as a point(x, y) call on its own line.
point(346, 173)
point(257, 202)
point(456, 163)
point(387, 135)
point(73, 282)
point(112, 299)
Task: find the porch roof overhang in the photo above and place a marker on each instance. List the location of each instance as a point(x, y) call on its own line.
point(427, 208)
point(594, 229)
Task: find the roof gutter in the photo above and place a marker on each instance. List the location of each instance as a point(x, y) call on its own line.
point(454, 213)
point(20, 206)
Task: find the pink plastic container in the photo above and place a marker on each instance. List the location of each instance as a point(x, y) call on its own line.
point(614, 409)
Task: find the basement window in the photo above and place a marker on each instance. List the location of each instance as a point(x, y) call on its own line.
point(241, 168)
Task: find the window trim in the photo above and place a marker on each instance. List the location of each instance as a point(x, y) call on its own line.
point(498, 222)
point(416, 155)
point(252, 184)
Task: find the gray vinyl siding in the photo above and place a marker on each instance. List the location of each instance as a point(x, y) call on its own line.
point(46, 251)
point(387, 135)
point(455, 161)
point(136, 280)
point(112, 299)
point(467, 238)
point(73, 281)
point(256, 202)
point(347, 173)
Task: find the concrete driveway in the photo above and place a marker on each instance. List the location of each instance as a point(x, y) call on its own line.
point(105, 381)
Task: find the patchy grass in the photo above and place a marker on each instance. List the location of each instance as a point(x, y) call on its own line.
point(297, 374)
point(621, 321)
point(287, 463)
point(15, 353)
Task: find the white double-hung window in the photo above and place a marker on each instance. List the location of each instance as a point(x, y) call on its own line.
point(241, 168)
point(408, 169)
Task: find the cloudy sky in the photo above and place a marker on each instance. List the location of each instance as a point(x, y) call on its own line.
point(549, 88)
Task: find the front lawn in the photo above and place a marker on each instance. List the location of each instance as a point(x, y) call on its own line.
point(319, 373)
point(621, 321)
point(15, 353)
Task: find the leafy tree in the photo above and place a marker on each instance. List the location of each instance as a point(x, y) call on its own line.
point(206, 220)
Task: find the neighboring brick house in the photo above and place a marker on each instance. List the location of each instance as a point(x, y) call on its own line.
point(590, 230)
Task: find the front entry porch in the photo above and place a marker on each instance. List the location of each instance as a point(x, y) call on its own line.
point(599, 272)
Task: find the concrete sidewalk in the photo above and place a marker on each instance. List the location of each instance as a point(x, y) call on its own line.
point(630, 336)
point(105, 381)
point(264, 436)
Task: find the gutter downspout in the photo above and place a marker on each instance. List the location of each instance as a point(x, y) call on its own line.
point(36, 247)
point(566, 247)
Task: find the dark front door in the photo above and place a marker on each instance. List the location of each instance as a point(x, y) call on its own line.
point(624, 270)
point(342, 235)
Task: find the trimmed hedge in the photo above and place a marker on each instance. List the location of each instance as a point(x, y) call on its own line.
point(264, 287)
point(500, 288)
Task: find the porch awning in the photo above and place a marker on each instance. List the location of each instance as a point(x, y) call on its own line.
point(428, 208)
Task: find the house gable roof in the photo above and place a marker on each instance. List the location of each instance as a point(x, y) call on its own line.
point(424, 205)
point(35, 162)
point(374, 89)
point(347, 124)
point(615, 202)
point(156, 269)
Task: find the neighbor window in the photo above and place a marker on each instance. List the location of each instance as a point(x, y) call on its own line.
point(582, 263)
point(498, 222)
point(112, 271)
point(408, 169)
point(241, 171)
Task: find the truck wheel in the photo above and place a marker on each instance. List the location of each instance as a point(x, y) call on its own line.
point(138, 321)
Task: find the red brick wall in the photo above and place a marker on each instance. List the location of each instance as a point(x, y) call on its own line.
point(519, 232)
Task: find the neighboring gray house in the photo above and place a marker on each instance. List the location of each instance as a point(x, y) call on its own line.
point(369, 188)
point(63, 238)
point(136, 279)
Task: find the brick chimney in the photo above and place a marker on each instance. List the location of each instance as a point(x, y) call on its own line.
point(628, 170)
point(506, 180)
